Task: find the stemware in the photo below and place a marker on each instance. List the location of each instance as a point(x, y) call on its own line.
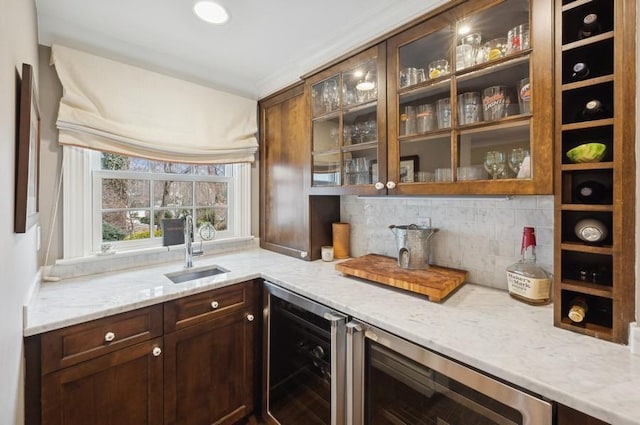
point(330, 95)
point(516, 157)
point(495, 163)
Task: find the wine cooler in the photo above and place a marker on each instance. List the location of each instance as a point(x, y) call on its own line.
point(595, 167)
point(394, 382)
point(304, 360)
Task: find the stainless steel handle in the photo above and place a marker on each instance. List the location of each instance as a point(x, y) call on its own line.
point(355, 374)
point(379, 186)
point(156, 351)
point(250, 317)
point(391, 185)
point(338, 336)
point(214, 304)
point(109, 336)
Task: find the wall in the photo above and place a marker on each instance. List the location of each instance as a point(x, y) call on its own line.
point(480, 235)
point(18, 255)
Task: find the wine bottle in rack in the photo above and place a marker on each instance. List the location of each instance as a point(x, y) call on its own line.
point(578, 309)
point(580, 71)
point(592, 192)
point(590, 26)
point(594, 109)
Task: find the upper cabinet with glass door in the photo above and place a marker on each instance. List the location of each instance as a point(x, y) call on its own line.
point(470, 101)
point(349, 125)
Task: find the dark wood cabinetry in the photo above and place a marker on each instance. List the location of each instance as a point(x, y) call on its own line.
point(291, 221)
point(120, 370)
point(209, 365)
point(599, 274)
point(568, 416)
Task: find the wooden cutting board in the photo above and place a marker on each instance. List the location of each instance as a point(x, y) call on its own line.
point(435, 282)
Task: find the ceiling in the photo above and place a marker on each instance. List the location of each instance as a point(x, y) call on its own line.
point(266, 45)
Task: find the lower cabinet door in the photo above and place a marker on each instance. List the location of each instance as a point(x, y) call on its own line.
point(209, 371)
point(122, 387)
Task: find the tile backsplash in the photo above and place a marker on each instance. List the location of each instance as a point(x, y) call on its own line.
point(480, 235)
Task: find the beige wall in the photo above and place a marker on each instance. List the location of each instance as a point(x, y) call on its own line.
point(18, 253)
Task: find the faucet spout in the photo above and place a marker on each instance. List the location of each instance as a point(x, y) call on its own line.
point(189, 253)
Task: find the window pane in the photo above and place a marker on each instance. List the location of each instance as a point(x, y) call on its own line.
point(216, 216)
point(110, 161)
point(125, 193)
point(210, 194)
point(171, 168)
point(211, 170)
point(158, 215)
point(167, 193)
point(125, 225)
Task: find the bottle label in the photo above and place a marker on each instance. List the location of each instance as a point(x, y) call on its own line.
point(528, 287)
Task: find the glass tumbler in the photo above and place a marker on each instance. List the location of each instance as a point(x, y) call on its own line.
point(469, 108)
point(408, 121)
point(494, 102)
point(443, 108)
point(438, 68)
point(524, 96)
point(518, 38)
point(425, 118)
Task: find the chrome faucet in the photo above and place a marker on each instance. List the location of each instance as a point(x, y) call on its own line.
point(189, 252)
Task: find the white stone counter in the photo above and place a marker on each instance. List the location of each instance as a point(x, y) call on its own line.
point(479, 326)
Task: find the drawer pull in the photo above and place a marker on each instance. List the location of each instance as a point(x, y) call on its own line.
point(156, 351)
point(109, 336)
point(250, 317)
point(214, 304)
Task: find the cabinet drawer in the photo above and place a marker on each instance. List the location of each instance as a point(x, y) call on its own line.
point(74, 344)
point(205, 306)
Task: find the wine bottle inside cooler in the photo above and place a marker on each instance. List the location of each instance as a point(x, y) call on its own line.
point(580, 71)
point(590, 26)
point(593, 109)
point(578, 309)
point(591, 230)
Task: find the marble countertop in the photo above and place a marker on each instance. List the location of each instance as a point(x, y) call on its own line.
point(479, 326)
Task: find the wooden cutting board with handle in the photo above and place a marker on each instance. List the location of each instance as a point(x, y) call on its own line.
point(436, 282)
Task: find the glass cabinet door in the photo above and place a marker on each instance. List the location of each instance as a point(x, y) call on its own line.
point(461, 106)
point(346, 125)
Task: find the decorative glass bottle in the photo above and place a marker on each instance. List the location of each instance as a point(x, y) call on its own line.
point(527, 281)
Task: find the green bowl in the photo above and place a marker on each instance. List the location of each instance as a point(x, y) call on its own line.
point(587, 152)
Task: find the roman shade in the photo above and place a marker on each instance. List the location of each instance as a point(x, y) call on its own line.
point(119, 108)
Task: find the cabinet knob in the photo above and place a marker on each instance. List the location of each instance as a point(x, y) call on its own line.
point(379, 186)
point(109, 336)
point(156, 351)
point(391, 185)
point(250, 317)
point(214, 304)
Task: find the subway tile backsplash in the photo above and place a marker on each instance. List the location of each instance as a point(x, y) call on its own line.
point(480, 235)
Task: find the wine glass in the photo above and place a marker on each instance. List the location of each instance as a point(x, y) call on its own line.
point(494, 163)
point(330, 95)
point(516, 157)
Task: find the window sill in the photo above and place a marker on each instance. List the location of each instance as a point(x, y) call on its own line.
point(122, 260)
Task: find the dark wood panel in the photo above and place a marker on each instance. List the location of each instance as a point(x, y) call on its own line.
point(74, 344)
point(210, 374)
point(122, 387)
point(197, 308)
point(569, 416)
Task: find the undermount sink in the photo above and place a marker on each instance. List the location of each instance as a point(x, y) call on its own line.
point(196, 273)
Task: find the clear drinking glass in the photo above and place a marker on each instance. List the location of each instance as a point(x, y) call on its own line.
point(516, 156)
point(495, 163)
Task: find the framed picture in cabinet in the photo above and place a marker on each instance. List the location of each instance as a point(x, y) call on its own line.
point(27, 153)
point(408, 167)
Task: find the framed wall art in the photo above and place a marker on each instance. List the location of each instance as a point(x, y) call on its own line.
point(27, 153)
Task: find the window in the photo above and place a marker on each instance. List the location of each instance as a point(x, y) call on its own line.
point(129, 197)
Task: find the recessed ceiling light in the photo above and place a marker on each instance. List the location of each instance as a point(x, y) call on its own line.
point(211, 12)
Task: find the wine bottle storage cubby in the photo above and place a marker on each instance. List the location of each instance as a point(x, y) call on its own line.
point(601, 134)
point(597, 57)
point(595, 196)
point(574, 103)
point(588, 187)
point(591, 272)
point(573, 18)
point(599, 315)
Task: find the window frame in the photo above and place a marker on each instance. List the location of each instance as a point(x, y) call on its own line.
point(82, 186)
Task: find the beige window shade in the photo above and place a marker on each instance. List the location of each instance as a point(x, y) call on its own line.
point(115, 107)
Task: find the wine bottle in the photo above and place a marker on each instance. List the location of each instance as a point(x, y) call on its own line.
point(591, 230)
point(594, 109)
point(578, 309)
point(580, 71)
point(592, 192)
point(590, 26)
point(527, 281)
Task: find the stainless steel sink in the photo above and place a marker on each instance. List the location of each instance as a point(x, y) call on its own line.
point(196, 273)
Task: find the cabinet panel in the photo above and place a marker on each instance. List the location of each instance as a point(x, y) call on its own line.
point(569, 416)
point(122, 387)
point(209, 371)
